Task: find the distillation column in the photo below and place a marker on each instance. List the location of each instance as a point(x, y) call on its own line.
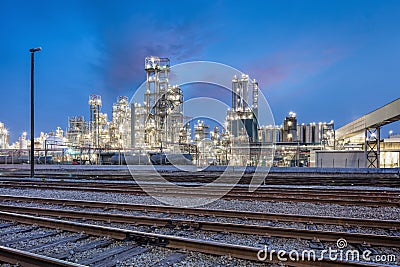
point(94, 123)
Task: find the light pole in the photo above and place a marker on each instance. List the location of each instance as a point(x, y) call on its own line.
point(32, 156)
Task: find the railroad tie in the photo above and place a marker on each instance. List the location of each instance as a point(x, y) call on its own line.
point(5, 225)
point(34, 237)
point(107, 254)
point(170, 260)
point(54, 243)
point(118, 258)
point(95, 244)
point(17, 231)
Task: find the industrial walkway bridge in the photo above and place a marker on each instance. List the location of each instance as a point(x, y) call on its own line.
point(370, 125)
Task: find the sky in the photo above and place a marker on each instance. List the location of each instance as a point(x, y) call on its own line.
point(324, 60)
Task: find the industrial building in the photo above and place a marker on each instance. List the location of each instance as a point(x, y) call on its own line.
point(98, 132)
point(78, 131)
point(158, 125)
point(120, 126)
point(4, 137)
point(243, 114)
point(364, 134)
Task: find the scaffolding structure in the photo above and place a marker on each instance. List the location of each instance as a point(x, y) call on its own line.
point(138, 125)
point(4, 137)
point(242, 117)
point(163, 108)
point(98, 124)
point(185, 134)
point(204, 144)
point(94, 123)
point(78, 131)
point(372, 147)
point(120, 126)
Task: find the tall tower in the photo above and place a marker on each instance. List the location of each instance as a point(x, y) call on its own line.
point(163, 105)
point(121, 123)
point(254, 102)
point(94, 123)
point(157, 71)
point(4, 137)
point(242, 118)
point(289, 131)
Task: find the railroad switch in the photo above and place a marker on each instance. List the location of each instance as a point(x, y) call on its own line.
point(183, 225)
point(147, 240)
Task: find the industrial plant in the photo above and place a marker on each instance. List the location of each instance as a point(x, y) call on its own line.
point(157, 130)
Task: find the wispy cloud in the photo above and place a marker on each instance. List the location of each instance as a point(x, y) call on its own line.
point(292, 66)
point(123, 52)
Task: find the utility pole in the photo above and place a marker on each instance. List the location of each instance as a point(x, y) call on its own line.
point(32, 155)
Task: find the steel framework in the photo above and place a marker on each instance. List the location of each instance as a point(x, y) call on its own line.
point(372, 147)
point(163, 105)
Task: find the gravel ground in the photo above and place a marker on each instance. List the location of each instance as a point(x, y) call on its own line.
point(132, 182)
point(199, 259)
point(156, 254)
point(193, 259)
point(382, 213)
point(276, 243)
point(323, 227)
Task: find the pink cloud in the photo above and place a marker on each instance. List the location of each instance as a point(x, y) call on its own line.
point(124, 52)
point(292, 66)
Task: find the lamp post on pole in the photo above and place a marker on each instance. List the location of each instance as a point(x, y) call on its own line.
point(32, 155)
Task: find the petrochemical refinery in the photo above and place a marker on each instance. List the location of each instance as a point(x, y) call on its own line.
point(158, 128)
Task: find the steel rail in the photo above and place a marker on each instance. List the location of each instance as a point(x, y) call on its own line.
point(348, 192)
point(252, 229)
point(267, 197)
point(195, 186)
point(274, 178)
point(28, 259)
point(343, 221)
point(209, 247)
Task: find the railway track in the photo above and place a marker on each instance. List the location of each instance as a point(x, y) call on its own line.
point(97, 223)
point(141, 241)
point(193, 186)
point(24, 258)
point(249, 229)
point(318, 177)
point(389, 198)
point(201, 212)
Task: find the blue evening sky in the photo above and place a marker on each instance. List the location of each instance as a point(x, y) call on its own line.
point(322, 59)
